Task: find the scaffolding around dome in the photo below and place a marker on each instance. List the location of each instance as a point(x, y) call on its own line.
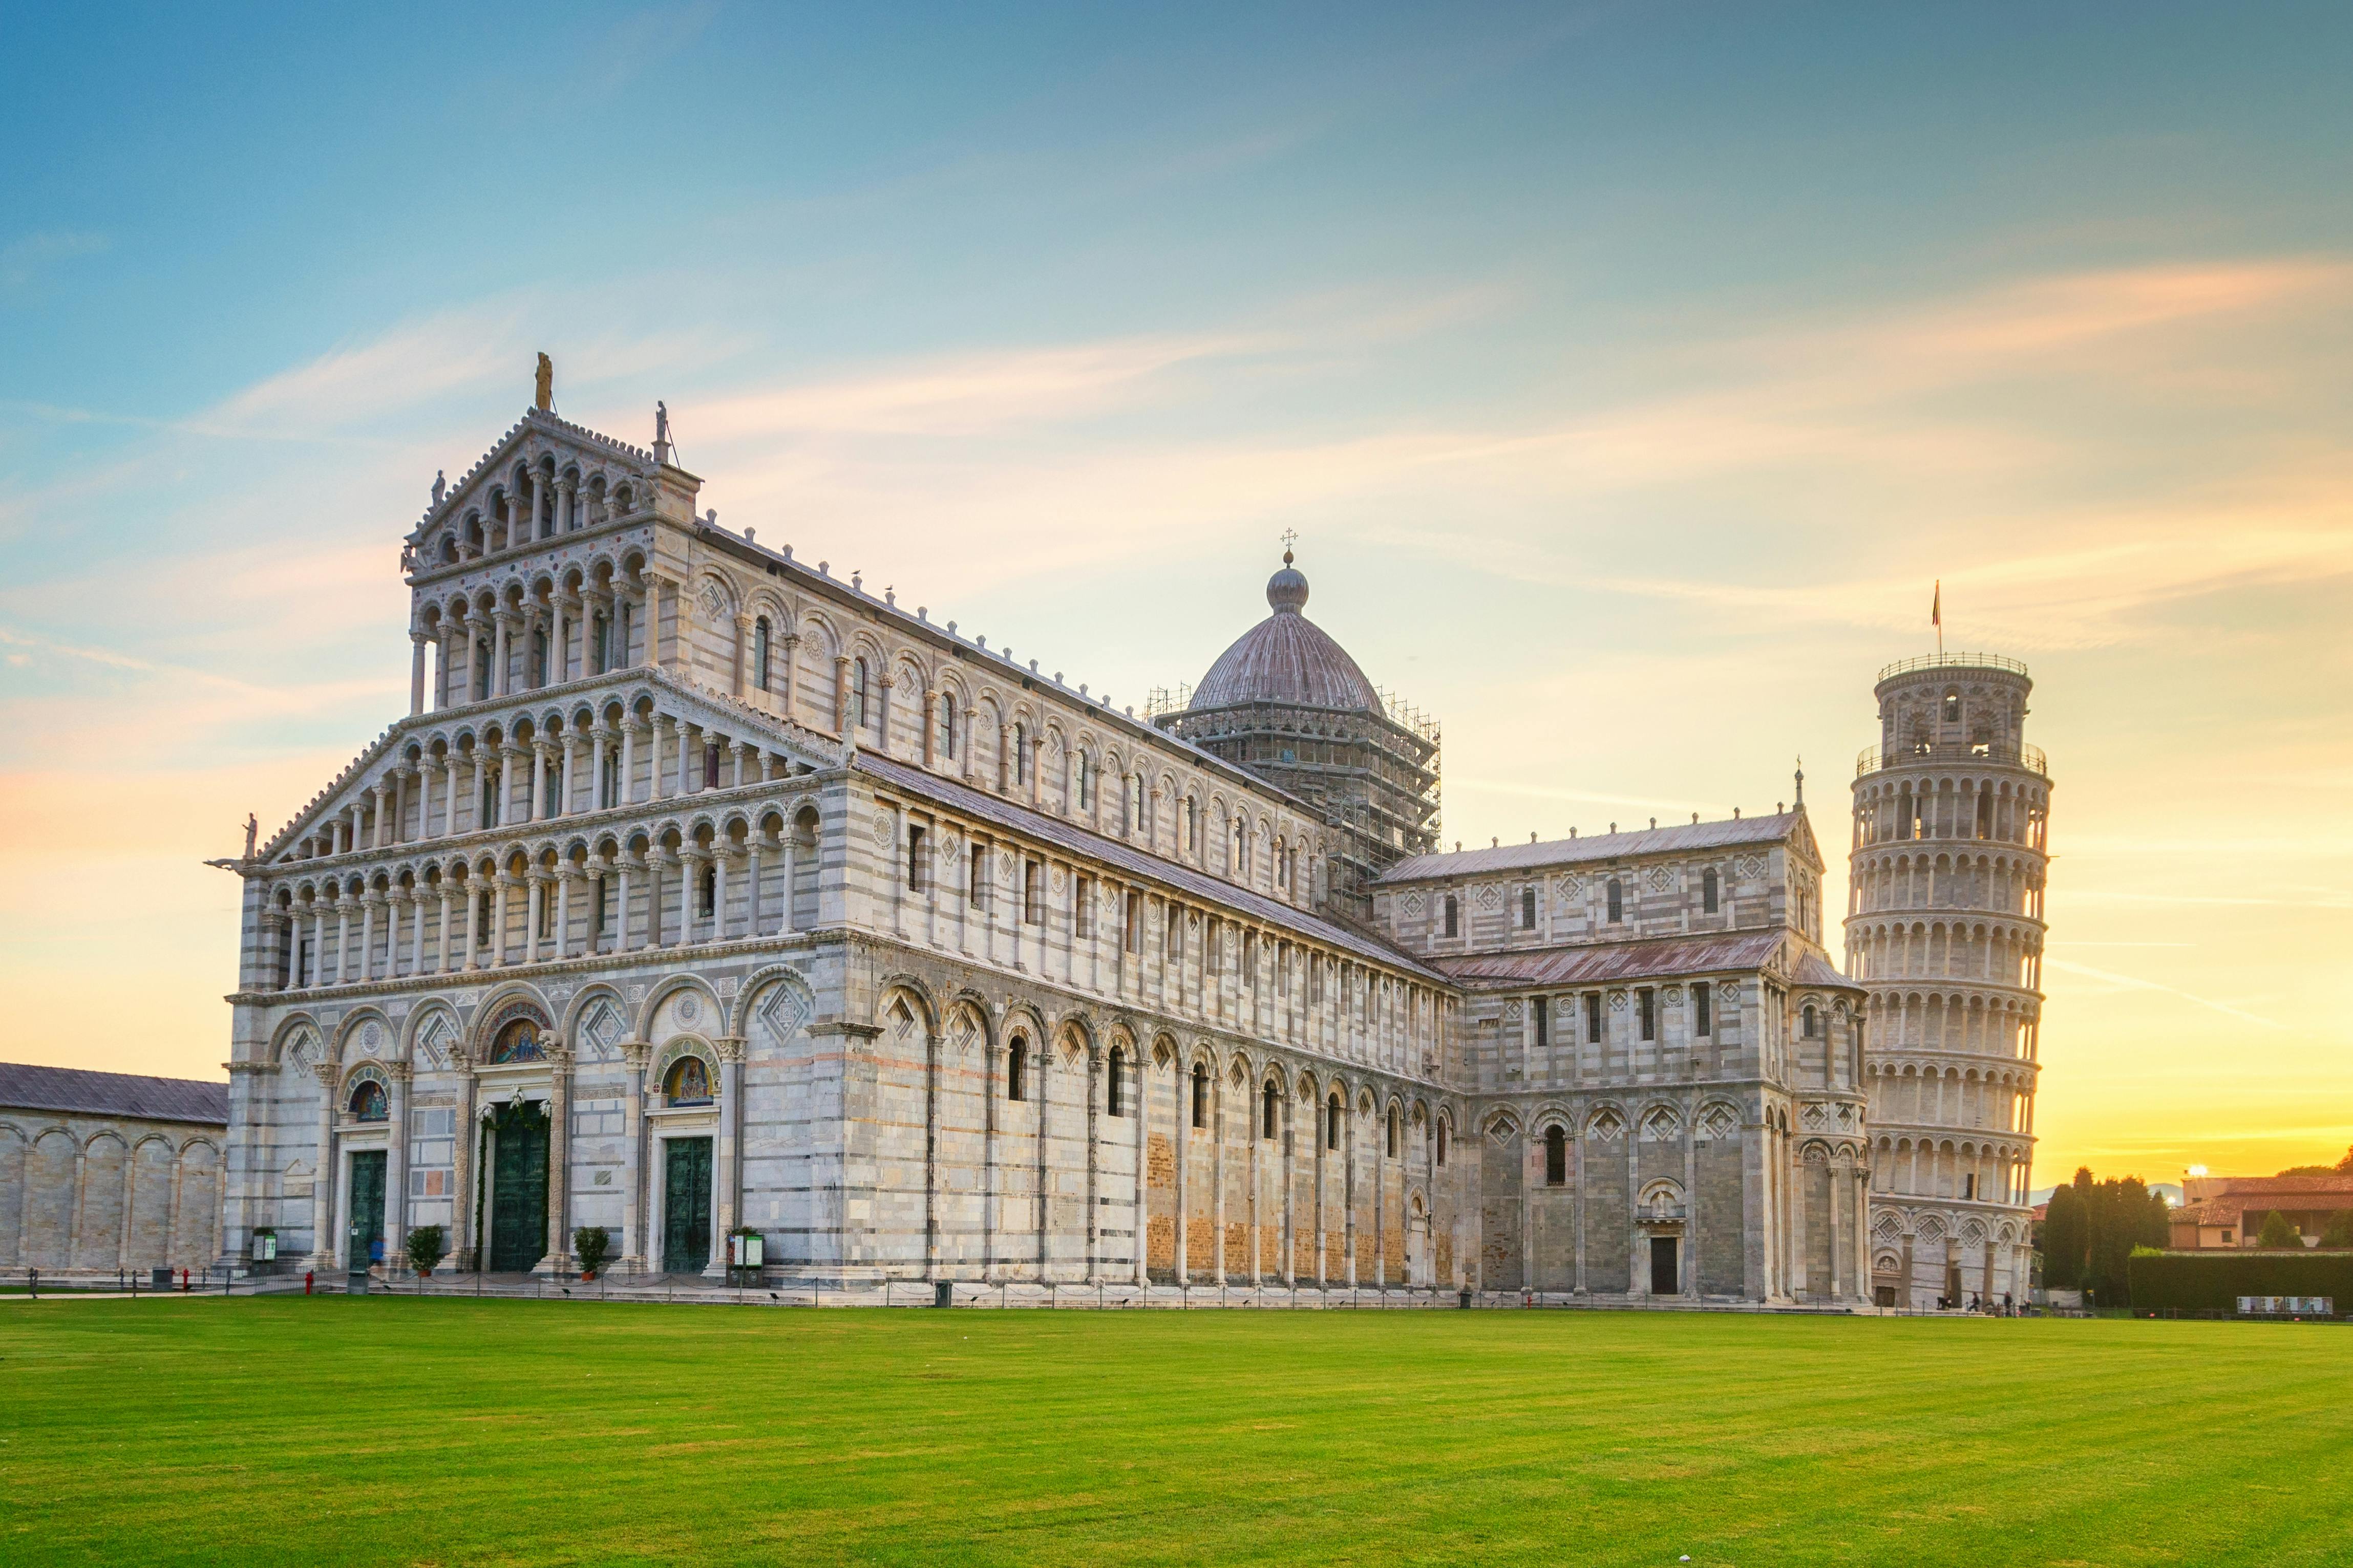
point(1288, 702)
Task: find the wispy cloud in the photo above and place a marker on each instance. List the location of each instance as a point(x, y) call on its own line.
point(2134, 982)
point(24, 261)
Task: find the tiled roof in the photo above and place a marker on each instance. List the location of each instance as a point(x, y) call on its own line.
point(27, 1088)
point(1685, 837)
point(1286, 657)
point(1197, 886)
point(1660, 959)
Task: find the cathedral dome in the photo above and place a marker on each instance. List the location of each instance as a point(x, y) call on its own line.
point(1286, 657)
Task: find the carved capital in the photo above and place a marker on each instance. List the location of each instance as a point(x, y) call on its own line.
point(636, 1054)
point(729, 1047)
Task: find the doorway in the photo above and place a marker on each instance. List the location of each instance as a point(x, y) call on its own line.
point(518, 1136)
point(1665, 1278)
point(686, 1205)
point(364, 1236)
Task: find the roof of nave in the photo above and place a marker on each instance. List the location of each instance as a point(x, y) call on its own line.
point(1656, 959)
point(25, 1087)
point(1680, 840)
point(1286, 657)
point(2236, 1208)
point(1198, 886)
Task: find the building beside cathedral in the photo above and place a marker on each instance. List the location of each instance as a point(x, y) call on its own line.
point(703, 892)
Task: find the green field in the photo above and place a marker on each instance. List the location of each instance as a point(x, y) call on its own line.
point(389, 1430)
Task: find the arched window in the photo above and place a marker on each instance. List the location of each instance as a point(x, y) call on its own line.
point(1442, 1143)
point(858, 693)
point(1115, 1083)
point(1020, 755)
point(1267, 1101)
point(368, 1102)
point(708, 891)
point(1454, 917)
point(517, 1042)
point(1086, 791)
point(1528, 907)
point(687, 1083)
point(1952, 705)
point(760, 653)
point(1017, 1069)
point(1616, 902)
point(1393, 1132)
point(1200, 1094)
point(947, 724)
point(1332, 1123)
point(1555, 1156)
point(1707, 891)
point(1813, 1024)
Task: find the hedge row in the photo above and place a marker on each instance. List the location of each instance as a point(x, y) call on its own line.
point(2196, 1280)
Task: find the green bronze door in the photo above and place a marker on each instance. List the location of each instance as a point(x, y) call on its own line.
point(363, 1241)
point(519, 1188)
point(686, 1205)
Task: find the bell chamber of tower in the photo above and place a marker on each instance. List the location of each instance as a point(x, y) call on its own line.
point(1944, 930)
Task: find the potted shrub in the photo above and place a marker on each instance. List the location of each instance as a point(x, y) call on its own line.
point(426, 1246)
point(591, 1244)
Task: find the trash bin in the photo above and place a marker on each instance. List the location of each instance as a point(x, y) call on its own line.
point(160, 1278)
point(943, 1293)
point(356, 1283)
point(1463, 1299)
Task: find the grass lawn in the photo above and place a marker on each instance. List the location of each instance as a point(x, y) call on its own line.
point(388, 1430)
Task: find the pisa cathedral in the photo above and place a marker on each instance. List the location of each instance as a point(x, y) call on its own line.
point(702, 892)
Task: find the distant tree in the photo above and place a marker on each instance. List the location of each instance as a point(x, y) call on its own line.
point(2340, 1230)
point(2346, 1165)
point(2063, 1238)
point(2309, 1171)
point(2278, 1232)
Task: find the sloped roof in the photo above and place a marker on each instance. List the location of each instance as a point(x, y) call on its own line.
point(25, 1087)
point(1685, 837)
point(1286, 657)
point(1197, 886)
point(1657, 958)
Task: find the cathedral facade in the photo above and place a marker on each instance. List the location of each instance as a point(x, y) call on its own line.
point(703, 894)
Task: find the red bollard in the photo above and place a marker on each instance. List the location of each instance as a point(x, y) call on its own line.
point(184, 1281)
point(306, 1281)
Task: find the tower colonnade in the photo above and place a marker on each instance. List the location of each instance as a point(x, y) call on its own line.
point(1945, 929)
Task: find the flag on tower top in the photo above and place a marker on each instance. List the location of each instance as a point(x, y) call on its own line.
point(1936, 616)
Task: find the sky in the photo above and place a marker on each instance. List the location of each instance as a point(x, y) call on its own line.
point(1630, 373)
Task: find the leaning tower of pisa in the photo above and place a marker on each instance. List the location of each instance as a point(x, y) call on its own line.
point(1944, 930)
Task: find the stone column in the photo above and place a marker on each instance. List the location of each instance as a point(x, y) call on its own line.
point(559, 1158)
point(689, 883)
point(504, 621)
point(416, 673)
point(322, 1188)
point(566, 875)
point(463, 1245)
point(742, 647)
point(1094, 1215)
point(472, 894)
point(727, 1174)
point(563, 796)
point(449, 804)
point(370, 901)
point(754, 862)
point(843, 710)
point(343, 936)
point(635, 1254)
point(531, 812)
point(396, 1166)
point(791, 643)
point(630, 865)
point(629, 780)
point(450, 633)
point(499, 882)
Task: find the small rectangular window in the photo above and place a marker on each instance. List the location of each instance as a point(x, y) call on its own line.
point(1707, 891)
point(1453, 916)
point(1033, 900)
point(1648, 1000)
point(1527, 909)
point(1702, 1020)
point(1544, 1021)
point(1593, 1017)
point(1083, 908)
point(914, 859)
point(1174, 948)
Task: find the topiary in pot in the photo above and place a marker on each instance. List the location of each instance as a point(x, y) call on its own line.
point(426, 1248)
point(591, 1244)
